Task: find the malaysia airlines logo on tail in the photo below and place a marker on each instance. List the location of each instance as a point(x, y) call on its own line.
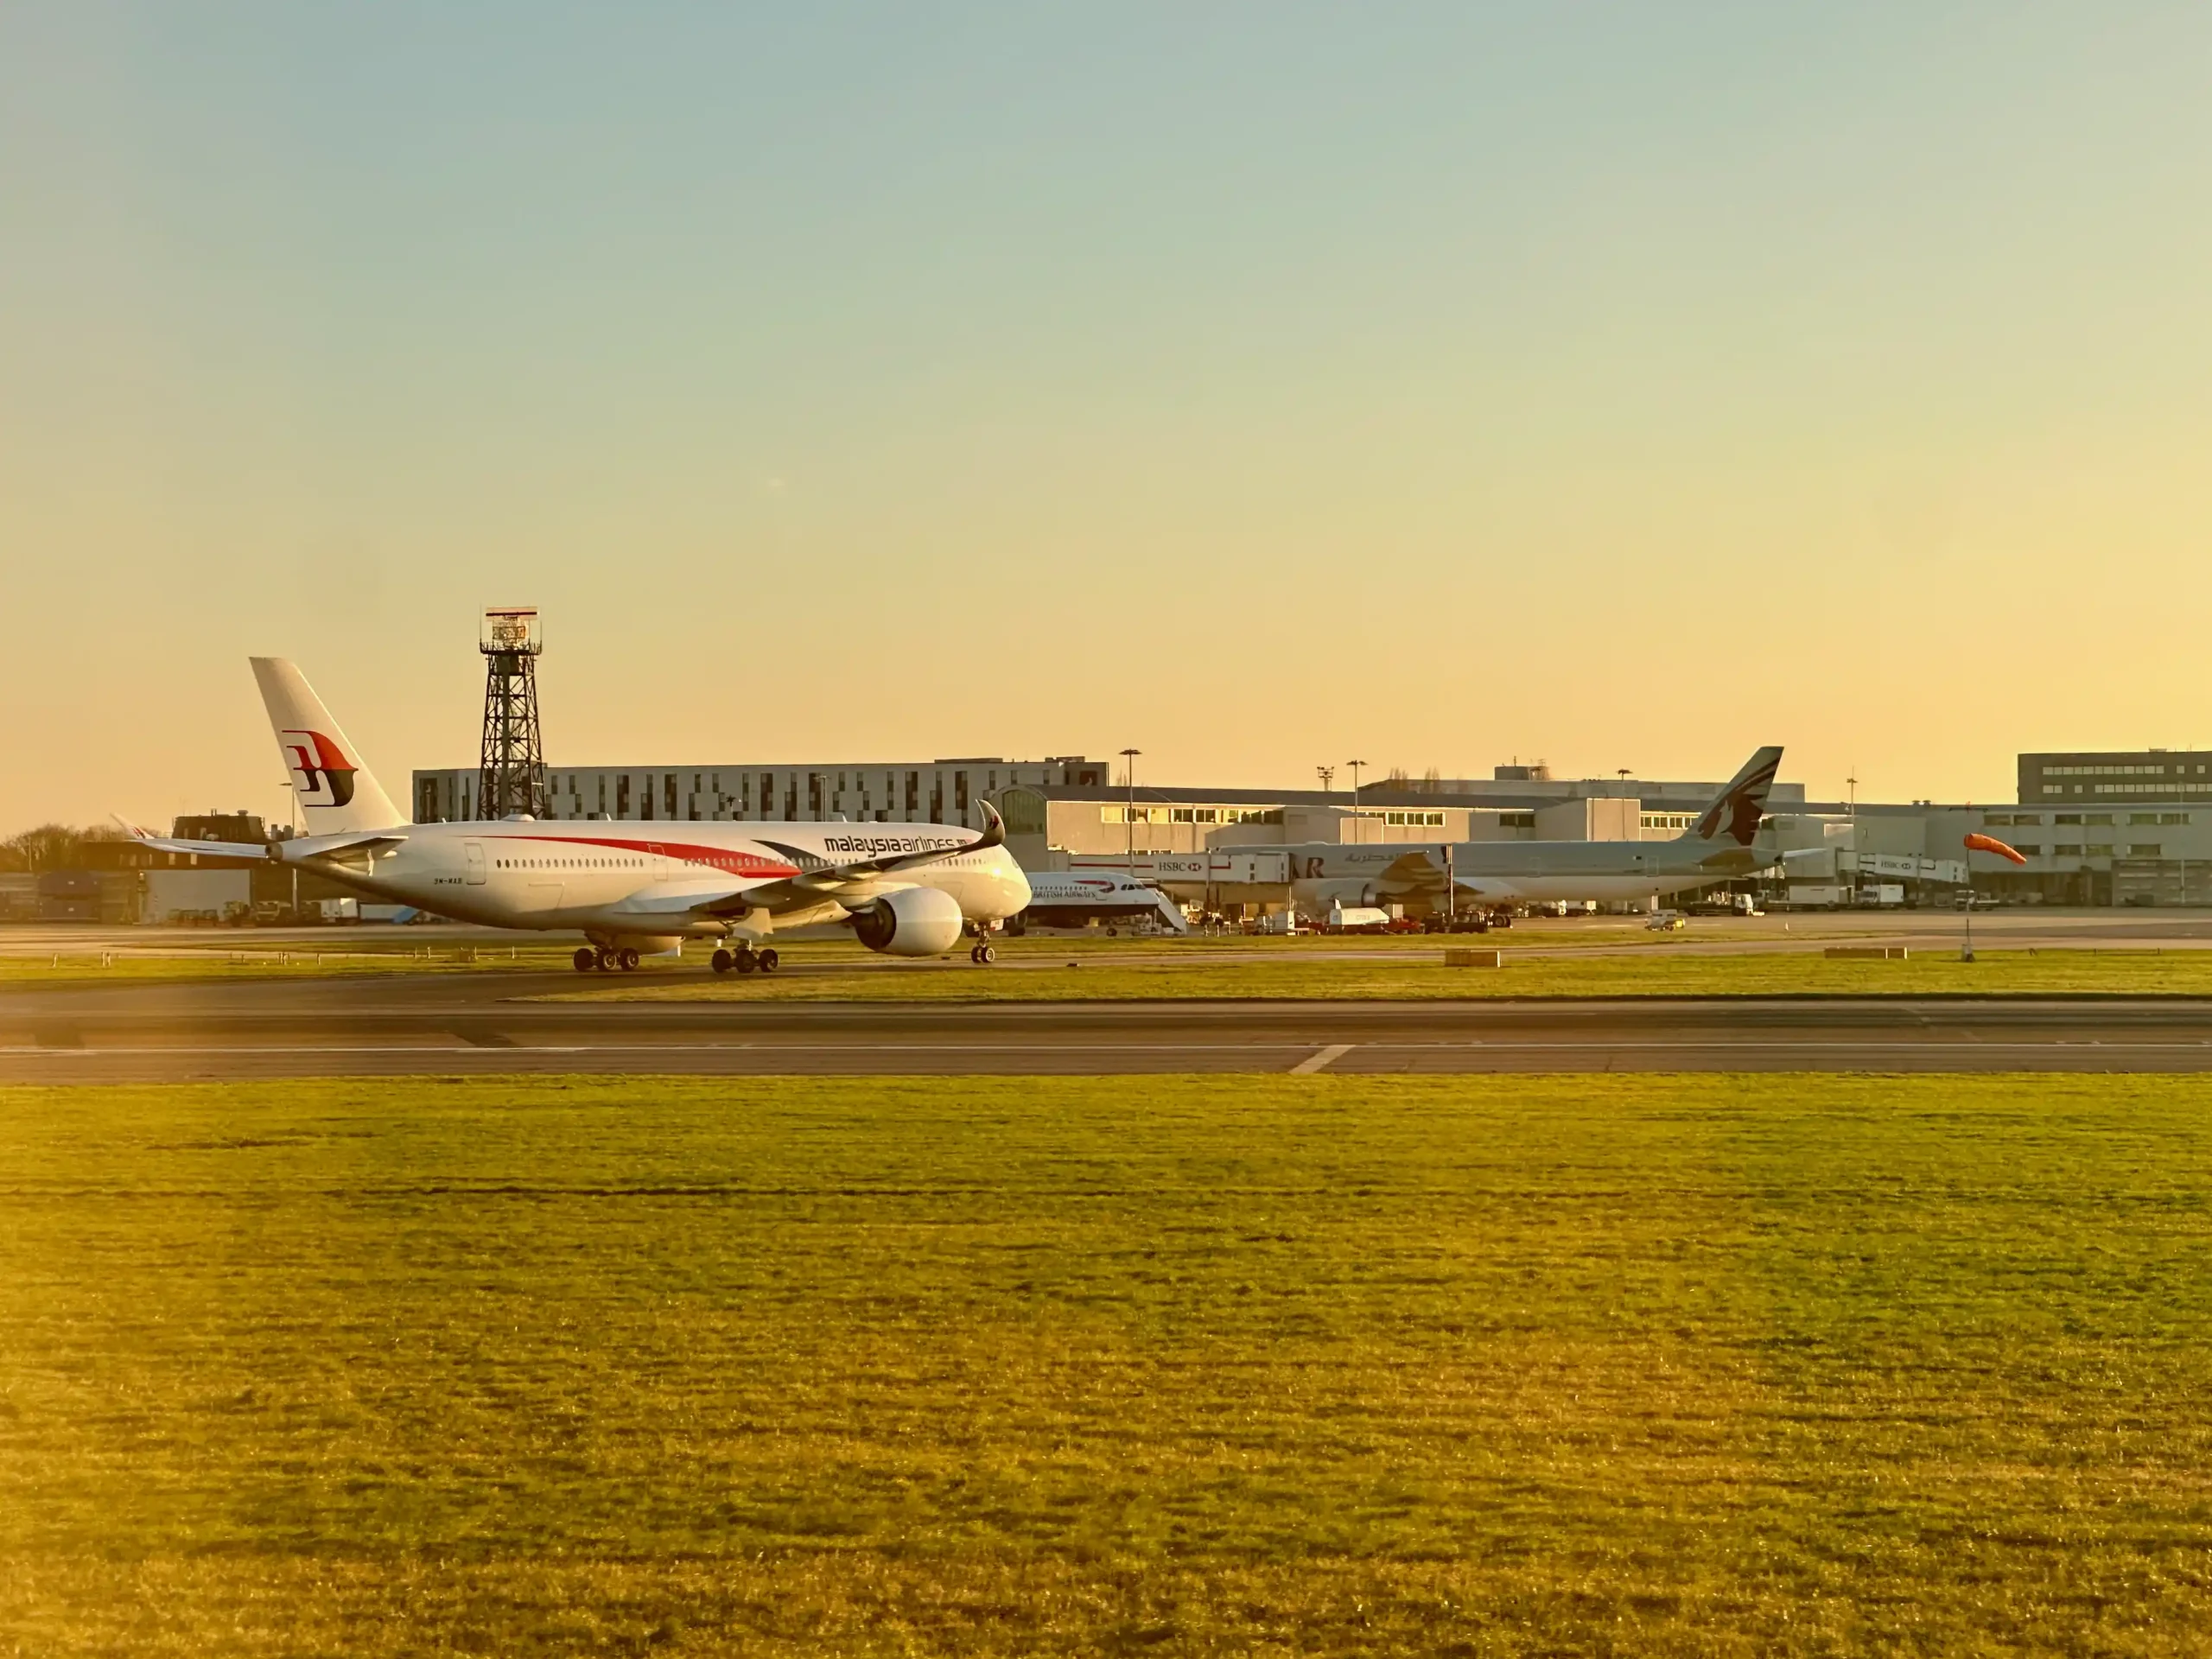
point(322, 773)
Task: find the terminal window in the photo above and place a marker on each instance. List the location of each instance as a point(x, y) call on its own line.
point(2068, 849)
point(2145, 849)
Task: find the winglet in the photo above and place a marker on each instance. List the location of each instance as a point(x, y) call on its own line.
point(993, 830)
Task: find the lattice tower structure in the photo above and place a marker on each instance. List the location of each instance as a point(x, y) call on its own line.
point(511, 769)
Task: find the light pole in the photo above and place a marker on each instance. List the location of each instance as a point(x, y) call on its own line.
point(292, 800)
point(1356, 766)
point(1129, 812)
point(1966, 953)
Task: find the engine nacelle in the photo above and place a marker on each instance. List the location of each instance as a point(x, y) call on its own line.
point(911, 922)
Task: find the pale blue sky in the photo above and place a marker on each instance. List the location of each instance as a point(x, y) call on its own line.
point(1261, 385)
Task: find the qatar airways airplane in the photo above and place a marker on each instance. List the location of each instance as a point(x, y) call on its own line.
point(633, 889)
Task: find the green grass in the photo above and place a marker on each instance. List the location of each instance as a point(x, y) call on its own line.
point(246, 957)
point(202, 954)
point(1611, 1365)
point(1657, 973)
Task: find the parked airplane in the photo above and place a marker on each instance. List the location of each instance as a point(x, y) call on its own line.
point(1718, 847)
point(1072, 897)
point(634, 888)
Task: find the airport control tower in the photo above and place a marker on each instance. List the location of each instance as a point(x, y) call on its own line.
point(511, 773)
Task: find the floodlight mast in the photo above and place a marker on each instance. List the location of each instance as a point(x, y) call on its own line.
point(511, 770)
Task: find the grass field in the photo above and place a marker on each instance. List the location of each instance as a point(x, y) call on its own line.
point(1742, 1366)
point(247, 958)
point(1656, 973)
point(172, 954)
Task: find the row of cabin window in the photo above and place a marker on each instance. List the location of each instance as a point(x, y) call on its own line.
point(2036, 818)
point(569, 863)
point(2093, 849)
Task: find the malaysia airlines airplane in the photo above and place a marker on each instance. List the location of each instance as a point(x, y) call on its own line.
point(633, 888)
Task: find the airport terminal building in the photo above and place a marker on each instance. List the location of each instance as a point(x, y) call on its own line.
point(915, 792)
point(2122, 828)
point(1071, 802)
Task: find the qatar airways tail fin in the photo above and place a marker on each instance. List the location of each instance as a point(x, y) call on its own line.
point(1734, 816)
point(336, 792)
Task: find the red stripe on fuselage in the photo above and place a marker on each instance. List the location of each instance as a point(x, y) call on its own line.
point(730, 861)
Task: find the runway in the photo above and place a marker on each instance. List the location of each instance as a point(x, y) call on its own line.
point(478, 1025)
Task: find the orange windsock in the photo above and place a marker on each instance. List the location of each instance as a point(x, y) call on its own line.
point(1980, 843)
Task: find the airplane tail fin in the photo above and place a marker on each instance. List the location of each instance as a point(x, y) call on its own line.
point(336, 792)
point(1735, 816)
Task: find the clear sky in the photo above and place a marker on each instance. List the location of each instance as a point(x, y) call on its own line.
point(1261, 386)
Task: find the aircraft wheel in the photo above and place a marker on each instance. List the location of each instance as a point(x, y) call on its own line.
point(587, 959)
point(746, 962)
point(629, 962)
point(721, 961)
point(768, 961)
point(986, 954)
point(604, 962)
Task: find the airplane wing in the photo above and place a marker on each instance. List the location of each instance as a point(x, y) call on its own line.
point(305, 847)
point(146, 837)
point(821, 880)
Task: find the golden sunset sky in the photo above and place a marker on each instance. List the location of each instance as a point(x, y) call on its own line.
point(1261, 385)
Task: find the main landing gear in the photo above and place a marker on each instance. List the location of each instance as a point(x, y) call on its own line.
point(744, 960)
point(587, 959)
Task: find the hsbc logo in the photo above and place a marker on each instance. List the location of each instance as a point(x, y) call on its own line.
point(321, 772)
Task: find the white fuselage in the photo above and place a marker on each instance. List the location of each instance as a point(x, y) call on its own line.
point(627, 880)
point(1504, 872)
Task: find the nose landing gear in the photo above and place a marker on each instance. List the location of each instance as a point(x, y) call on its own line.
point(983, 955)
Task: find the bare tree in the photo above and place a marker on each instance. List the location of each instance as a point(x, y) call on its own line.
point(49, 847)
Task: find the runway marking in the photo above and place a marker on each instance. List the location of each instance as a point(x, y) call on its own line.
point(1314, 1062)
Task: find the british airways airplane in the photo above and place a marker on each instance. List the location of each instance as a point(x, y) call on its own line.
point(633, 889)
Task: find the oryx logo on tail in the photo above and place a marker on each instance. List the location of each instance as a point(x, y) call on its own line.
point(1735, 816)
point(323, 775)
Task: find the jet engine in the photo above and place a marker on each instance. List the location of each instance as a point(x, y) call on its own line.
point(910, 922)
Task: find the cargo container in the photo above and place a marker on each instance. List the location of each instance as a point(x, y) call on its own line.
point(1815, 895)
